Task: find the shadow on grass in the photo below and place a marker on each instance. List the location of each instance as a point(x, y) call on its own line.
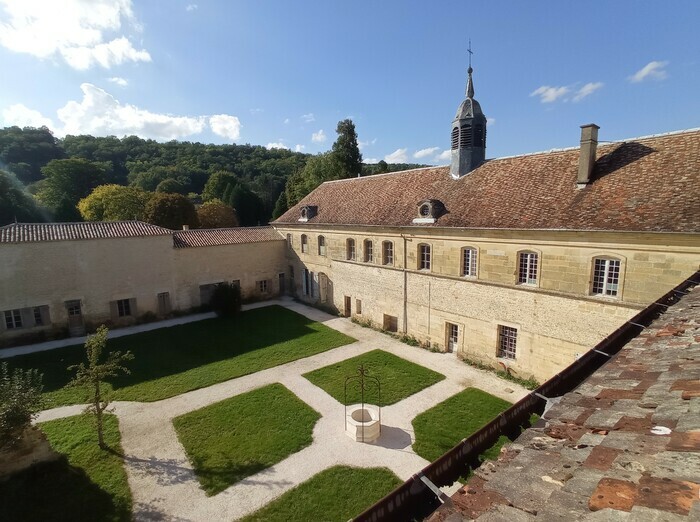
point(167, 351)
point(56, 491)
point(215, 479)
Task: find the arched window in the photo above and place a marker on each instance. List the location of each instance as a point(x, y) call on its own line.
point(528, 263)
point(387, 253)
point(304, 244)
point(369, 251)
point(469, 261)
point(350, 249)
point(465, 136)
point(606, 276)
point(321, 246)
point(423, 257)
point(455, 138)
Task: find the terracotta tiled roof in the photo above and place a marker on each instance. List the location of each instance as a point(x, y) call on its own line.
point(224, 236)
point(34, 232)
point(626, 441)
point(643, 184)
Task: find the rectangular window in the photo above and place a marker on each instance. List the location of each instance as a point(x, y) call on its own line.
point(13, 319)
point(369, 251)
point(123, 308)
point(469, 262)
point(424, 257)
point(321, 246)
point(527, 268)
point(390, 323)
point(73, 308)
point(38, 319)
point(351, 249)
point(388, 253)
point(507, 338)
point(358, 307)
point(606, 276)
point(262, 286)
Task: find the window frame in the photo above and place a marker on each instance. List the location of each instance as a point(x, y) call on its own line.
point(290, 241)
point(608, 260)
point(507, 343)
point(262, 286)
point(321, 240)
point(388, 253)
point(304, 244)
point(350, 249)
point(523, 270)
point(13, 319)
point(425, 257)
point(473, 271)
point(368, 248)
point(123, 308)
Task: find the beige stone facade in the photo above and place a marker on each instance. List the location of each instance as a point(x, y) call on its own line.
point(556, 316)
point(118, 280)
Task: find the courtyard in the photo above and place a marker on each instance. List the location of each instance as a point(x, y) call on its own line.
point(225, 421)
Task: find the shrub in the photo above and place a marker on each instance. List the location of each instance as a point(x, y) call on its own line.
point(226, 300)
point(20, 398)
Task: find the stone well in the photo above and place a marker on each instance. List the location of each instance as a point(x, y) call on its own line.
point(362, 422)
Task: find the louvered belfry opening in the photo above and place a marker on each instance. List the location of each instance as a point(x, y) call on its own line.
point(465, 137)
point(455, 138)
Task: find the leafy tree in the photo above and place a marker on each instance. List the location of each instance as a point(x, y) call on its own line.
point(382, 167)
point(319, 168)
point(24, 151)
point(217, 184)
point(20, 398)
point(94, 373)
point(225, 301)
point(216, 214)
point(170, 211)
point(172, 186)
point(346, 149)
point(248, 206)
point(68, 181)
point(15, 202)
point(281, 206)
point(114, 203)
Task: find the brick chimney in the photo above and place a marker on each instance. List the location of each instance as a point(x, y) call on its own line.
point(589, 144)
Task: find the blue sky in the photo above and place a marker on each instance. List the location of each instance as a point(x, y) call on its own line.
point(280, 73)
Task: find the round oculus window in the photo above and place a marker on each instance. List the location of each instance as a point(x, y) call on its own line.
point(425, 210)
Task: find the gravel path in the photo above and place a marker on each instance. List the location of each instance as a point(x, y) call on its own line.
point(163, 482)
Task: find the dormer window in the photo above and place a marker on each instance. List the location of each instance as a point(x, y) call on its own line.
point(429, 210)
point(308, 212)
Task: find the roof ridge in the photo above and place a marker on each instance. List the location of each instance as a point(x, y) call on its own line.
point(384, 174)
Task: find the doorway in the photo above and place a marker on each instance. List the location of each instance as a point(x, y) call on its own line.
point(281, 282)
point(348, 306)
point(452, 337)
point(76, 325)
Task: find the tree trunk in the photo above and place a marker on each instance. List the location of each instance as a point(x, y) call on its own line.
point(98, 416)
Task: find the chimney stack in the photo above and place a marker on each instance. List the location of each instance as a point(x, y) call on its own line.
point(589, 144)
point(185, 227)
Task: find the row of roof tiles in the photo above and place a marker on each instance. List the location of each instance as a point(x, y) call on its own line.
point(645, 184)
point(40, 232)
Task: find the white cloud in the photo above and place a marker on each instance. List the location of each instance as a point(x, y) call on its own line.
point(299, 148)
point(191, 7)
point(398, 156)
point(362, 144)
point(75, 30)
point(122, 82)
point(226, 126)
point(444, 155)
point(491, 121)
point(587, 90)
point(308, 118)
point(286, 121)
point(22, 116)
point(425, 152)
point(367, 161)
point(256, 111)
point(653, 70)
point(549, 94)
point(276, 145)
point(318, 137)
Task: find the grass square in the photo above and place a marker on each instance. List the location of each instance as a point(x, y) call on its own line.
point(178, 359)
point(235, 438)
point(440, 428)
point(398, 377)
point(337, 493)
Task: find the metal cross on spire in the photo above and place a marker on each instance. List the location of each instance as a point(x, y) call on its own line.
point(469, 50)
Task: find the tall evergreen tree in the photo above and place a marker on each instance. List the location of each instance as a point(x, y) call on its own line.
point(346, 150)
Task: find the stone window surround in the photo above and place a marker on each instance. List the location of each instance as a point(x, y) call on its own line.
point(304, 244)
point(123, 308)
point(507, 341)
point(474, 262)
point(388, 253)
point(621, 275)
point(368, 248)
point(350, 249)
point(528, 267)
point(424, 257)
point(321, 246)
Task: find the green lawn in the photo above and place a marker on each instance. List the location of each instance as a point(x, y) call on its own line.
point(399, 378)
point(440, 428)
point(235, 438)
point(335, 494)
point(87, 484)
point(171, 361)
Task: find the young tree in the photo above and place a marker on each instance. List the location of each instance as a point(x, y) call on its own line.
point(94, 373)
point(347, 151)
point(20, 398)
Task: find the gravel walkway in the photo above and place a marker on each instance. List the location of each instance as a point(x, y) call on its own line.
point(163, 482)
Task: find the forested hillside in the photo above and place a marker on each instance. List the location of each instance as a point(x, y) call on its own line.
point(43, 178)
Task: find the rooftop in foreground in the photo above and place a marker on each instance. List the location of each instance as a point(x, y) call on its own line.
point(624, 445)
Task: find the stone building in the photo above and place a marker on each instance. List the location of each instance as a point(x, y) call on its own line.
point(524, 261)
